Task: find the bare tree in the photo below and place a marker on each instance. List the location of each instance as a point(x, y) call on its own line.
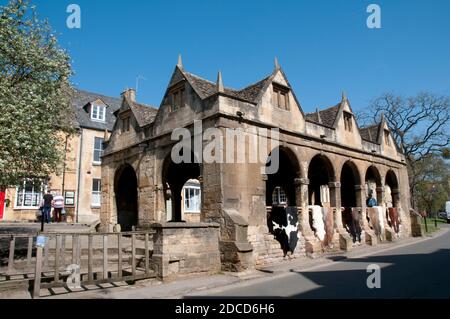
point(420, 125)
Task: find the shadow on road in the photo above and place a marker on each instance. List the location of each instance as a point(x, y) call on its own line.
point(404, 276)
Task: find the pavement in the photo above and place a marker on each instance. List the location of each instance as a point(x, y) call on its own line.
point(410, 268)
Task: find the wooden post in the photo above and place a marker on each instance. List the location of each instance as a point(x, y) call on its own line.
point(74, 249)
point(90, 260)
point(29, 251)
point(12, 247)
point(105, 256)
point(119, 254)
point(46, 253)
point(133, 254)
point(37, 274)
point(63, 251)
point(147, 255)
point(57, 257)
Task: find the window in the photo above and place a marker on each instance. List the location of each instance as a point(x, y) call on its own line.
point(279, 196)
point(280, 97)
point(96, 192)
point(126, 124)
point(98, 150)
point(324, 194)
point(348, 123)
point(192, 198)
point(69, 198)
point(177, 98)
point(98, 112)
point(387, 138)
point(29, 195)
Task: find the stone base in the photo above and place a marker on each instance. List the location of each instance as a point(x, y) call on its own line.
point(313, 246)
point(185, 248)
point(345, 241)
point(370, 238)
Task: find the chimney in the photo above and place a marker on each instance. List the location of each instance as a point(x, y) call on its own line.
point(129, 94)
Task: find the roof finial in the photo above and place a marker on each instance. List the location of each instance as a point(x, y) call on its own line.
point(277, 65)
point(344, 96)
point(180, 62)
point(219, 82)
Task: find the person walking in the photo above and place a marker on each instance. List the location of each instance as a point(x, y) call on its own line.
point(58, 207)
point(46, 205)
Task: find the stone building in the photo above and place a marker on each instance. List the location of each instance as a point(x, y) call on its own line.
point(80, 181)
point(327, 164)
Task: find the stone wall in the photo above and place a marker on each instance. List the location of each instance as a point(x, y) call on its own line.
point(185, 248)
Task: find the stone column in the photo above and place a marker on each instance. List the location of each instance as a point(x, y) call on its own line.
point(312, 243)
point(388, 231)
point(301, 196)
point(368, 234)
point(343, 239)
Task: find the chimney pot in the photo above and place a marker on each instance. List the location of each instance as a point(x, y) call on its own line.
point(130, 94)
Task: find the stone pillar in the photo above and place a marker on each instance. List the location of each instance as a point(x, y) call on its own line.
point(344, 241)
point(312, 243)
point(389, 233)
point(368, 234)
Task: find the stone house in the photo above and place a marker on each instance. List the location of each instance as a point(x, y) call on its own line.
point(325, 160)
point(80, 181)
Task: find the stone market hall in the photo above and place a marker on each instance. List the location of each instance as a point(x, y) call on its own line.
point(231, 215)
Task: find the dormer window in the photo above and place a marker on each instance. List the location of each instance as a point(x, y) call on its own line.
point(348, 123)
point(98, 112)
point(387, 138)
point(177, 95)
point(280, 97)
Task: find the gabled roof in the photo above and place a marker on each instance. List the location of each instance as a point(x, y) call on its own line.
point(205, 88)
point(144, 114)
point(371, 133)
point(82, 98)
point(326, 117)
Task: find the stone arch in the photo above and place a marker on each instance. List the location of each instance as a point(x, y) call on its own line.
point(392, 189)
point(126, 195)
point(374, 183)
point(174, 177)
point(321, 174)
point(350, 185)
point(284, 177)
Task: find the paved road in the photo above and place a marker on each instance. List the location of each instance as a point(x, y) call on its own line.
point(421, 270)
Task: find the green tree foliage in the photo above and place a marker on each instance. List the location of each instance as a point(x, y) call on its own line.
point(433, 188)
point(421, 127)
point(34, 95)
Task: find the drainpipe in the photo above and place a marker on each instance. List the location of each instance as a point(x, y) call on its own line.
point(79, 174)
point(64, 167)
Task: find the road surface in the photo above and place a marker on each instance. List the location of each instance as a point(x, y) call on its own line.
point(420, 270)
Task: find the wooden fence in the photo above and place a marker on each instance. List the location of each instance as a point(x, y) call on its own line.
point(100, 258)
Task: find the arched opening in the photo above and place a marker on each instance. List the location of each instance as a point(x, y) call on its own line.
point(349, 200)
point(280, 187)
point(175, 178)
point(282, 215)
point(126, 190)
point(391, 190)
point(373, 185)
point(392, 200)
point(320, 174)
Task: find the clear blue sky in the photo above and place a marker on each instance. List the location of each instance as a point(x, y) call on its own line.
point(323, 46)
